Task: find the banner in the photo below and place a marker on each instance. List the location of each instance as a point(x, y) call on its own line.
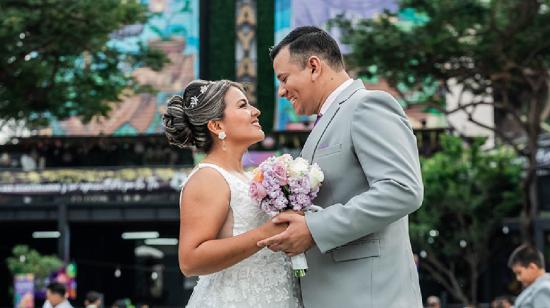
point(24, 291)
point(83, 181)
point(79, 181)
point(245, 47)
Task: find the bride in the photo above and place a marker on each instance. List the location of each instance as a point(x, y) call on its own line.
point(219, 223)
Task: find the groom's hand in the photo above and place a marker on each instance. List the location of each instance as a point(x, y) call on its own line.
point(294, 240)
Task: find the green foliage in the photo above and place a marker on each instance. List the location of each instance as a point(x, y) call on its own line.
point(56, 60)
point(483, 44)
point(25, 260)
point(467, 193)
point(496, 51)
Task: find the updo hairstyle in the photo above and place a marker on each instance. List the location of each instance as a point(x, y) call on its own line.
point(186, 118)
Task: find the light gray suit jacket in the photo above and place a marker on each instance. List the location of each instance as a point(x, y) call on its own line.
point(536, 295)
point(363, 258)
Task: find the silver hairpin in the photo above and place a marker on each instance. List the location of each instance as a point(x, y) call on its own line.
point(195, 99)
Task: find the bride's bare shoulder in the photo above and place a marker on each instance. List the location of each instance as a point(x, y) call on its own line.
point(202, 185)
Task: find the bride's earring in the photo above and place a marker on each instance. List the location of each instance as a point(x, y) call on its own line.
point(222, 136)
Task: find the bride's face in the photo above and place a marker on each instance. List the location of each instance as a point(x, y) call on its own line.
point(240, 121)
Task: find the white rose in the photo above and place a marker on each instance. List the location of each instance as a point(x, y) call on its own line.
point(316, 176)
point(298, 167)
point(285, 159)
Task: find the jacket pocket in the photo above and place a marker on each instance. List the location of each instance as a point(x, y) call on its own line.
point(357, 250)
point(331, 149)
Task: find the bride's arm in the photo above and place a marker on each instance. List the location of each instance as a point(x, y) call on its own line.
point(204, 207)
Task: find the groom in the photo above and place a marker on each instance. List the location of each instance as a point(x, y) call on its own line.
point(357, 247)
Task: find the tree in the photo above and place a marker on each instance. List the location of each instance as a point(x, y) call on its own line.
point(56, 60)
point(496, 50)
point(467, 193)
point(25, 260)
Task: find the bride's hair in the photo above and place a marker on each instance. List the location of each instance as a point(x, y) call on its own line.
point(186, 118)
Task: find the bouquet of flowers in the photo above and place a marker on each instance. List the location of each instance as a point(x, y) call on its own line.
point(283, 183)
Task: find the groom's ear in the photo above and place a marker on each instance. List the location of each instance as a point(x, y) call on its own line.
point(215, 126)
point(314, 65)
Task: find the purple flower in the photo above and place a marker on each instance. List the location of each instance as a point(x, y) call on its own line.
point(299, 185)
point(300, 202)
point(280, 202)
point(313, 193)
point(267, 206)
point(282, 187)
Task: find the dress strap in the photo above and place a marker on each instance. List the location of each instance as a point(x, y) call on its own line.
point(223, 172)
point(226, 175)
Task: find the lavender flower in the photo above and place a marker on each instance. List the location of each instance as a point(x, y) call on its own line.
point(281, 183)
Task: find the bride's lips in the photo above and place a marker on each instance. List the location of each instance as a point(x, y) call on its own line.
point(257, 124)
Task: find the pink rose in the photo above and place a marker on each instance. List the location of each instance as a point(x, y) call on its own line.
point(257, 191)
point(279, 173)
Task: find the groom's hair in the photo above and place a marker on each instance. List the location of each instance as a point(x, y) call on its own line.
point(304, 42)
point(524, 255)
point(57, 288)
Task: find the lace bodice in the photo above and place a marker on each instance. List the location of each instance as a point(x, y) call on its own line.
point(263, 279)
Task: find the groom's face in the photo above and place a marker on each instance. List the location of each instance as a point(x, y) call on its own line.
point(295, 83)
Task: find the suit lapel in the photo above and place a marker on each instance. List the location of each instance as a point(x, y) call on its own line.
point(315, 136)
point(319, 130)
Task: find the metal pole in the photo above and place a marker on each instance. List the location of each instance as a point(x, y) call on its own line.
point(63, 244)
point(539, 234)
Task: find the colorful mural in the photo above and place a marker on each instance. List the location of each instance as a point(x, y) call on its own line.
point(174, 29)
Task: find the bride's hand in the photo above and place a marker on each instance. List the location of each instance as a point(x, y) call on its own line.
point(272, 228)
point(295, 212)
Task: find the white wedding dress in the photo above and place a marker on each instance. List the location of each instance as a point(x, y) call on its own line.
point(263, 279)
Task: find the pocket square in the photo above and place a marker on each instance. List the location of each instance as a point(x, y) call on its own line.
point(322, 146)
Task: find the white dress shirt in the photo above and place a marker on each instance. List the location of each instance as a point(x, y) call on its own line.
point(332, 97)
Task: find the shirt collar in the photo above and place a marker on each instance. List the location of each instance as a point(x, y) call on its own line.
point(332, 97)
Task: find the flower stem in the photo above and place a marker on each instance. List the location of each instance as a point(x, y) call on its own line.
point(299, 273)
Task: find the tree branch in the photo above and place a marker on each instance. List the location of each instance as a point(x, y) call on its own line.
point(437, 275)
point(546, 109)
point(464, 107)
point(450, 274)
point(500, 134)
point(507, 107)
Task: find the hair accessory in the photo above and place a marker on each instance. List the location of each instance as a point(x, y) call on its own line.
point(195, 99)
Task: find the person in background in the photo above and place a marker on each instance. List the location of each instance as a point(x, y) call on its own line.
point(502, 302)
point(56, 296)
point(93, 300)
point(527, 263)
point(123, 303)
point(433, 302)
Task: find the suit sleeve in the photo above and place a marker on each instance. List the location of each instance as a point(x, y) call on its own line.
point(386, 149)
point(541, 298)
